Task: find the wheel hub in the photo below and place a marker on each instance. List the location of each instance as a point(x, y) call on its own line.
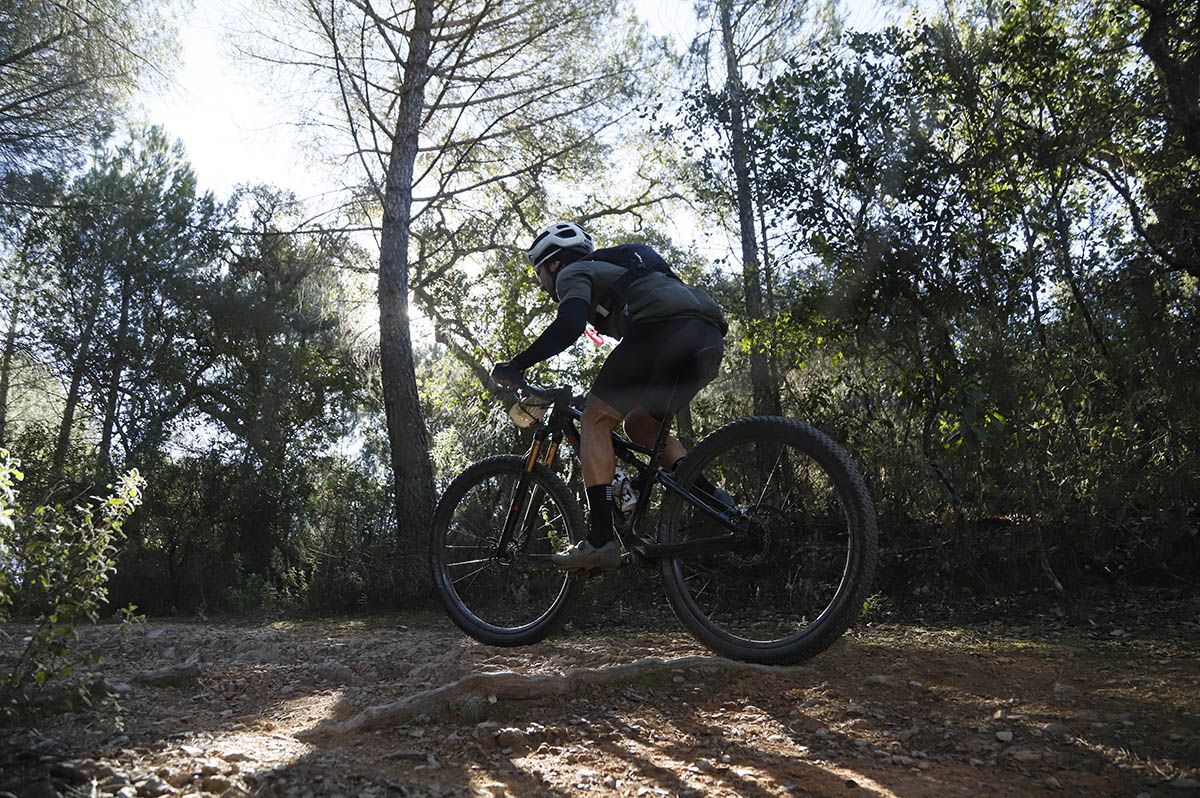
point(755, 546)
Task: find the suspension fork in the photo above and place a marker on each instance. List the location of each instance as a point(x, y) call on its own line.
point(542, 451)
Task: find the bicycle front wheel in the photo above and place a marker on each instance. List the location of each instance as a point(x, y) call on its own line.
point(799, 579)
point(516, 596)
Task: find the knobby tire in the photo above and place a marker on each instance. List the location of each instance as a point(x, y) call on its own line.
point(812, 635)
point(471, 613)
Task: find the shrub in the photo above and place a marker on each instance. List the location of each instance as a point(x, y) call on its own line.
point(54, 567)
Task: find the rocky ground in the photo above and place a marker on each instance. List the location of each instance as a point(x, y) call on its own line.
point(350, 707)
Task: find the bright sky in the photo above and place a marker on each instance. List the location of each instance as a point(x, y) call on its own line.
point(236, 130)
point(229, 124)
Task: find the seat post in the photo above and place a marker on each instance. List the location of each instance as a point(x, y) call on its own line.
point(646, 478)
point(664, 430)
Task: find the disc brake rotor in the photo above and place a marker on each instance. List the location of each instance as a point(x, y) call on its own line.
point(766, 523)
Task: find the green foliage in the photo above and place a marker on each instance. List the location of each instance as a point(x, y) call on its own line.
point(112, 268)
point(980, 239)
point(67, 68)
point(283, 589)
point(55, 564)
point(874, 607)
point(973, 296)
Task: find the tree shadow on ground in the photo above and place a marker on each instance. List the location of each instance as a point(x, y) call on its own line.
point(911, 711)
point(895, 709)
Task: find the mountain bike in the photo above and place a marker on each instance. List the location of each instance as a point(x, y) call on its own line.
point(773, 566)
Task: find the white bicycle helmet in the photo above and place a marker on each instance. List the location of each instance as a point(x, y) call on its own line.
point(557, 237)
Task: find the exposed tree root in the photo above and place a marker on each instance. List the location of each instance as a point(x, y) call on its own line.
point(179, 675)
point(520, 686)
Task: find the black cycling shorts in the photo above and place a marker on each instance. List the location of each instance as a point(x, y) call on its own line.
point(660, 366)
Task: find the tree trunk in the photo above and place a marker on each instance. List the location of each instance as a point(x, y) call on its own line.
point(104, 457)
point(1176, 65)
point(777, 370)
point(77, 368)
point(1062, 249)
point(760, 367)
point(412, 472)
point(10, 347)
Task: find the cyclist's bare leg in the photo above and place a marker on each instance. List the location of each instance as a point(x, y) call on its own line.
point(642, 428)
point(595, 445)
point(599, 549)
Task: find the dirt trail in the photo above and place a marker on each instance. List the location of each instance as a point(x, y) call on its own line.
point(904, 710)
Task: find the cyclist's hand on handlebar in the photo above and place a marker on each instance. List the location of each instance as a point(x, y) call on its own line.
point(507, 376)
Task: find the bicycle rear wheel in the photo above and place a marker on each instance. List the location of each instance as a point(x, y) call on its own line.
point(518, 596)
point(799, 580)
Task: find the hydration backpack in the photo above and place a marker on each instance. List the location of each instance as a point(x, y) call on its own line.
point(638, 261)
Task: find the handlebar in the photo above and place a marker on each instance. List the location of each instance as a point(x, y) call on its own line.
point(540, 392)
point(558, 394)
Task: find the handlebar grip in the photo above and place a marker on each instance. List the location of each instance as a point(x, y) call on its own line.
point(541, 393)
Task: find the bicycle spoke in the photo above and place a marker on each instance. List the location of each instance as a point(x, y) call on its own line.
point(548, 525)
point(788, 564)
point(770, 477)
point(468, 576)
point(519, 586)
point(478, 534)
point(469, 562)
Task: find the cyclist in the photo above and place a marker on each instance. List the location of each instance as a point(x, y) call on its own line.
point(671, 342)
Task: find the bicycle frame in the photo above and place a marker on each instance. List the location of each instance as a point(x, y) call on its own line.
point(560, 425)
